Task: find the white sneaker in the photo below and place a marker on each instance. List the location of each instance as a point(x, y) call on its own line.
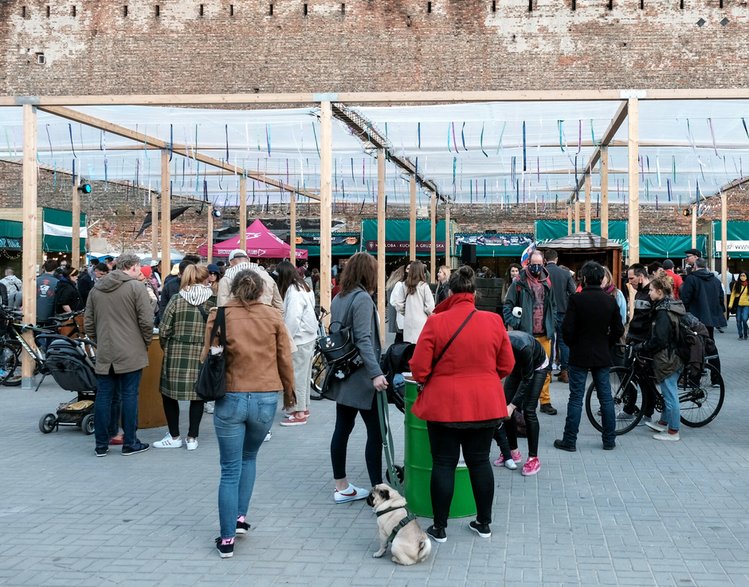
point(192, 443)
point(268, 437)
point(208, 407)
point(351, 493)
point(510, 464)
point(667, 436)
point(168, 442)
point(655, 425)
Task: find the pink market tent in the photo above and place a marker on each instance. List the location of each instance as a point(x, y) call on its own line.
point(261, 242)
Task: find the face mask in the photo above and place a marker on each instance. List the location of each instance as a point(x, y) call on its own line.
point(535, 269)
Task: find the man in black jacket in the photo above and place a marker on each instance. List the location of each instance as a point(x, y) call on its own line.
point(591, 327)
point(563, 286)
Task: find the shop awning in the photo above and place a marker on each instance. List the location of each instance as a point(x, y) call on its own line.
point(397, 237)
point(494, 245)
point(57, 230)
point(738, 239)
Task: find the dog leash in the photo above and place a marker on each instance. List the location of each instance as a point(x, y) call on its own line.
point(409, 517)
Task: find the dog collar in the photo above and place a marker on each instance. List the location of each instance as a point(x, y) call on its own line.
point(387, 511)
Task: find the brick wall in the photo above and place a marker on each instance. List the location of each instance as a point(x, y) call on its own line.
point(92, 47)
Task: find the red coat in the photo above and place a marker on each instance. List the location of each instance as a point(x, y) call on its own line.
point(467, 382)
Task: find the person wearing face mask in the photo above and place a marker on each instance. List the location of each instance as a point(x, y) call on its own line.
point(530, 306)
point(181, 334)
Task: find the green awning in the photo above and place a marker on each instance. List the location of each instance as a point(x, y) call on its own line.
point(494, 245)
point(553, 229)
point(343, 244)
point(397, 236)
point(57, 230)
point(738, 239)
point(669, 246)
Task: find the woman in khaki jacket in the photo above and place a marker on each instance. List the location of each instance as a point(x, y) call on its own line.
point(258, 366)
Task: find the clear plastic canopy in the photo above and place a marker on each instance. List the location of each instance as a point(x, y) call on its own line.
point(493, 153)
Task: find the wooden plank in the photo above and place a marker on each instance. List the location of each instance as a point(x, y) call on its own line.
point(433, 243)
point(448, 239)
point(577, 216)
point(723, 239)
point(588, 224)
point(166, 224)
point(31, 242)
point(633, 235)
point(210, 234)
point(75, 225)
point(569, 220)
point(155, 228)
point(694, 226)
point(292, 228)
point(180, 150)
point(326, 199)
point(243, 213)
point(412, 220)
point(381, 221)
point(605, 192)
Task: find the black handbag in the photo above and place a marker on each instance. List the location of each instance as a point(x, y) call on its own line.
point(211, 383)
point(337, 346)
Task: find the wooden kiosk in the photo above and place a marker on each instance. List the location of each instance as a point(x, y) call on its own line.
point(575, 249)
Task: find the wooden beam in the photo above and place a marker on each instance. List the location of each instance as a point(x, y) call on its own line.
point(181, 150)
point(209, 255)
point(577, 216)
point(166, 214)
point(412, 220)
point(75, 225)
point(724, 239)
point(381, 245)
point(433, 238)
point(243, 213)
point(292, 229)
point(448, 239)
point(326, 199)
point(694, 226)
point(605, 192)
point(588, 224)
point(633, 235)
point(30, 238)
point(155, 228)
point(569, 220)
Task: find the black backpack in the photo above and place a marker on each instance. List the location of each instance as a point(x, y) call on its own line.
point(693, 345)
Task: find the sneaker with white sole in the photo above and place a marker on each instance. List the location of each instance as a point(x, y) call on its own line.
point(208, 407)
point(482, 530)
point(667, 436)
point(268, 437)
point(168, 442)
point(508, 463)
point(531, 467)
point(242, 527)
point(294, 421)
point(657, 426)
point(351, 493)
point(437, 534)
point(191, 443)
point(225, 547)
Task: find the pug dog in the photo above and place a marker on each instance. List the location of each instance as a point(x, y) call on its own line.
point(411, 545)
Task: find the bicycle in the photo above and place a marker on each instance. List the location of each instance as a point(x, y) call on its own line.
point(319, 367)
point(700, 399)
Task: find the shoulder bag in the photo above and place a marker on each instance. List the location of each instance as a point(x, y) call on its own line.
point(444, 349)
point(211, 383)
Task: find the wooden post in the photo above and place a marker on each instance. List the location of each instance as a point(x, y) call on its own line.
point(588, 225)
point(694, 226)
point(166, 222)
point(412, 223)
point(633, 233)
point(326, 199)
point(292, 228)
point(30, 237)
point(243, 213)
point(605, 192)
point(209, 254)
point(381, 221)
point(569, 220)
point(577, 216)
point(448, 240)
point(75, 226)
point(433, 244)
point(155, 228)
point(723, 239)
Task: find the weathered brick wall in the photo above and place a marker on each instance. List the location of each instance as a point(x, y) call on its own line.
point(92, 47)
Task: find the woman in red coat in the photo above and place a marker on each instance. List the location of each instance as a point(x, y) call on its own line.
point(463, 400)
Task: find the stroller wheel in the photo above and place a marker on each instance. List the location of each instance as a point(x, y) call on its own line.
point(47, 423)
point(399, 472)
point(87, 424)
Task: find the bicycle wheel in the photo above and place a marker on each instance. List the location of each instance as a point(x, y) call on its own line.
point(10, 365)
point(319, 368)
point(625, 395)
point(700, 402)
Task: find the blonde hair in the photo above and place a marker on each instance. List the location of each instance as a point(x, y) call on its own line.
point(193, 274)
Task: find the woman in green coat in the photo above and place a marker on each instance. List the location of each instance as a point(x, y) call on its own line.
point(181, 333)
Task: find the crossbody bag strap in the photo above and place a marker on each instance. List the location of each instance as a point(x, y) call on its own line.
point(219, 326)
point(447, 346)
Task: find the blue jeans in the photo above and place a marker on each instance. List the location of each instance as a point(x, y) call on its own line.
point(670, 394)
point(742, 315)
point(564, 350)
point(108, 387)
point(241, 421)
point(577, 377)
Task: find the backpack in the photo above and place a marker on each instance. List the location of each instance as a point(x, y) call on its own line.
point(693, 344)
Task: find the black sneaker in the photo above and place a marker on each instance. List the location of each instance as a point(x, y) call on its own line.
point(564, 446)
point(242, 528)
point(135, 448)
point(437, 534)
point(482, 530)
point(224, 550)
point(101, 451)
point(548, 409)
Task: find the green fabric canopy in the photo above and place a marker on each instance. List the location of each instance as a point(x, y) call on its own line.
point(553, 229)
point(397, 236)
point(56, 223)
point(738, 239)
point(494, 245)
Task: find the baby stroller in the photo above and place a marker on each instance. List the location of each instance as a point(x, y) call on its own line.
point(71, 363)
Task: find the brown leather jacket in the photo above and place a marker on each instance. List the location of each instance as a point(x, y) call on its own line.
point(258, 351)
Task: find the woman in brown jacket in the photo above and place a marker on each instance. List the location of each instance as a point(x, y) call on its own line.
point(258, 366)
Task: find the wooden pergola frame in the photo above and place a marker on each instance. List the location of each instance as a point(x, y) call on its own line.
point(58, 105)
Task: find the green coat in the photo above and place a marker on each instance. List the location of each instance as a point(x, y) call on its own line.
point(181, 334)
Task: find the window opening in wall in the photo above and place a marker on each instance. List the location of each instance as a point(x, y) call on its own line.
point(124, 11)
point(642, 4)
point(574, 4)
point(157, 11)
point(343, 9)
point(681, 4)
point(429, 8)
point(231, 9)
point(306, 9)
point(494, 5)
point(270, 10)
point(201, 10)
point(611, 4)
point(74, 12)
point(40, 59)
point(530, 5)
point(721, 3)
point(49, 11)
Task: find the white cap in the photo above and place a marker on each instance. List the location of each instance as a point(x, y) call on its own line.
point(237, 253)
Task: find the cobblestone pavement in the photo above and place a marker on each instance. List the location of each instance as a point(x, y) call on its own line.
point(646, 513)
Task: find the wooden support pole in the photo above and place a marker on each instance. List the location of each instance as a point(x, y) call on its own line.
point(412, 222)
point(433, 243)
point(569, 220)
point(577, 216)
point(605, 192)
point(155, 229)
point(694, 226)
point(75, 225)
point(326, 199)
point(243, 213)
point(292, 228)
point(166, 222)
point(209, 254)
point(724, 239)
point(633, 139)
point(381, 241)
point(448, 239)
point(588, 225)
point(30, 236)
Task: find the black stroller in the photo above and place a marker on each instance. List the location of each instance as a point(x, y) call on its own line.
point(71, 364)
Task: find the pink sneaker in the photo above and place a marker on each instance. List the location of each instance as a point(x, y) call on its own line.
point(516, 456)
point(531, 466)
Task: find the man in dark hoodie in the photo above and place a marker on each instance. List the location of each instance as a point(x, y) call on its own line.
point(530, 306)
point(703, 297)
point(119, 319)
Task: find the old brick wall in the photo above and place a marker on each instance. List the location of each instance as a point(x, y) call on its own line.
point(93, 47)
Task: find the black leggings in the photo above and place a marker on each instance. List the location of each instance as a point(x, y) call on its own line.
point(445, 444)
point(344, 425)
point(528, 400)
point(171, 411)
